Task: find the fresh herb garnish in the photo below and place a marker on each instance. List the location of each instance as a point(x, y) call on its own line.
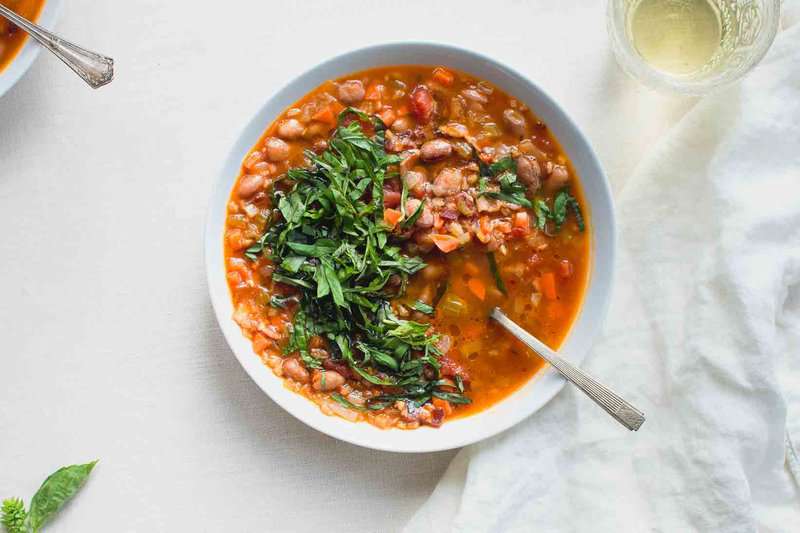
point(558, 213)
point(347, 403)
point(496, 273)
point(56, 490)
point(422, 307)
point(504, 172)
point(328, 240)
point(281, 302)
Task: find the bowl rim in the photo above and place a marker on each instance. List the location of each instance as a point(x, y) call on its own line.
point(546, 383)
point(21, 63)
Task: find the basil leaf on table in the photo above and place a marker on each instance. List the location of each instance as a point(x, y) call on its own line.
point(56, 490)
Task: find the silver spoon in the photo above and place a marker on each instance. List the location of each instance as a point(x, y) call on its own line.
point(95, 69)
point(625, 413)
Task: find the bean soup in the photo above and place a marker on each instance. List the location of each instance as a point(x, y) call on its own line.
point(375, 225)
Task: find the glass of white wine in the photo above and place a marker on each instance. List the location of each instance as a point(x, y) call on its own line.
point(691, 46)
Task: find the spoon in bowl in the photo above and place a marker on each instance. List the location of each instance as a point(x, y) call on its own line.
point(625, 413)
point(95, 69)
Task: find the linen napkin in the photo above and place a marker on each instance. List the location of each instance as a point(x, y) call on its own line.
point(703, 335)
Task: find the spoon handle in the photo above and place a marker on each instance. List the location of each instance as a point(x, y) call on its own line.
point(625, 413)
point(95, 69)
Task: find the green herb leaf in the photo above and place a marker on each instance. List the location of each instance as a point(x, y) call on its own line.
point(452, 397)
point(327, 239)
point(56, 490)
point(502, 165)
point(345, 402)
point(557, 214)
point(293, 263)
point(511, 190)
point(422, 307)
point(496, 273)
point(410, 221)
point(281, 302)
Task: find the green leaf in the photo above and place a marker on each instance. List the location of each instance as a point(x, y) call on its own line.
point(410, 221)
point(452, 397)
point(321, 248)
point(56, 490)
point(422, 307)
point(293, 263)
point(557, 214)
point(281, 302)
point(496, 273)
point(343, 401)
point(501, 165)
point(13, 515)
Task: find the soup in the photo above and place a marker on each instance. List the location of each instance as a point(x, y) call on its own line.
point(11, 37)
point(375, 225)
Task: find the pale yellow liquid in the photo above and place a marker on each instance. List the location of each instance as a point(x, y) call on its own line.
point(675, 36)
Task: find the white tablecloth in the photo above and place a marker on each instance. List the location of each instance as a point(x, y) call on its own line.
point(108, 345)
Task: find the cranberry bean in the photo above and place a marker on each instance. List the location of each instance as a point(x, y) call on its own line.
point(351, 92)
point(277, 150)
point(515, 122)
point(293, 369)
point(249, 185)
point(435, 150)
point(290, 129)
point(326, 381)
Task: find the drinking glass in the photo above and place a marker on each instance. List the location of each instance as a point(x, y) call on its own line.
point(745, 31)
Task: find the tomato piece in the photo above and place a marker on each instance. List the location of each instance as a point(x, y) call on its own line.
point(547, 284)
point(392, 217)
point(446, 243)
point(443, 76)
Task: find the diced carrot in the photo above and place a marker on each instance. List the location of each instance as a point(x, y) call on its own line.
point(374, 91)
point(325, 115)
point(547, 284)
point(522, 220)
point(392, 217)
point(471, 268)
point(388, 116)
point(443, 76)
point(446, 243)
point(565, 268)
point(403, 110)
point(442, 404)
point(477, 287)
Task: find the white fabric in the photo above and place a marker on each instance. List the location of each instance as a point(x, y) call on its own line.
point(702, 335)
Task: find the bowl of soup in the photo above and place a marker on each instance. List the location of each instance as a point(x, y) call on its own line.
point(371, 215)
point(17, 50)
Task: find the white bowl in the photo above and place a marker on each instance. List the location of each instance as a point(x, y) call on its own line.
point(537, 391)
point(30, 50)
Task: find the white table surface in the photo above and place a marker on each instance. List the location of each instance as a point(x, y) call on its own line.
point(108, 345)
